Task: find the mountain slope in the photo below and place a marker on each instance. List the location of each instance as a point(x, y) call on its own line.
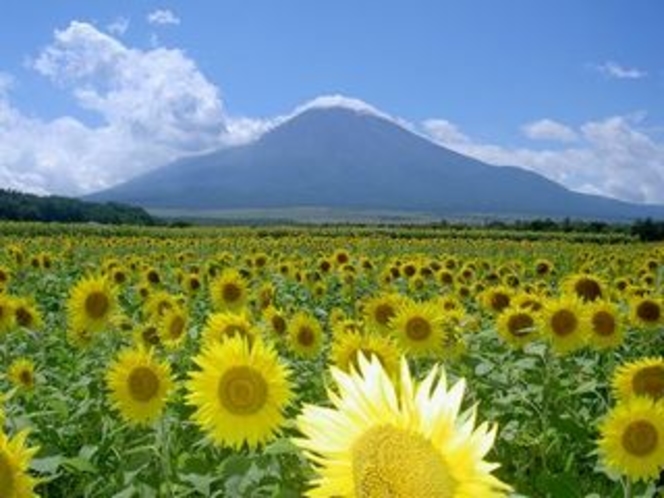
point(341, 158)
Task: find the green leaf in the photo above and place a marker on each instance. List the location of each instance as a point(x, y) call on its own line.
point(47, 465)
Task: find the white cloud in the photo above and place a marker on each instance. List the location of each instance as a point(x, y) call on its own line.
point(119, 26)
point(547, 129)
point(443, 131)
point(163, 16)
point(155, 106)
point(613, 157)
point(612, 69)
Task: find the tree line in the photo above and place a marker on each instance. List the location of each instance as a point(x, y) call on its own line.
point(18, 206)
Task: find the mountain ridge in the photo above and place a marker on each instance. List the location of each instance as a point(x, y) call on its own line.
point(348, 158)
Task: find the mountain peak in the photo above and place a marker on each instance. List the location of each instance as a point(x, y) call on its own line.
point(337, 101)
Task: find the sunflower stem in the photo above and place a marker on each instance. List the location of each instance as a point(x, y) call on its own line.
point(163, 447)
point(627, 488)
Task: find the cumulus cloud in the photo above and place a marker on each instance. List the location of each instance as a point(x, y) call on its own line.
point(548, 129)
point(612, 69)
point(119, 26)
point(444, 132)
point(613, 157)
point(155, 106)
point(163, 16)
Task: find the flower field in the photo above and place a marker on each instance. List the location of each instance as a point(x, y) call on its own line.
point(341, 361)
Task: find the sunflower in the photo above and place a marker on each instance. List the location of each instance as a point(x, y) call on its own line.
point(7, 315)
point(632, 439)
point(644, 377)
point(21, 373)
point(159, 302)
point(305, 335)
point(240, 392)
point(586, 287)
point(228, 291)
point(225, 325)
point(15, 482)
point(543, 267)
point(139, 385)
point(496, 299)
point(564, 324)
point(91, 304)
point(347, 347)
point(517, 326)
point(276, 322)
point(5, 277)
point(379, 310)
point(173, 327)
point(146, 336)
point(606, 327)
point(80, 337)
point(26, 313)
point(377, 440)
point(646, 312)
point(418, 328)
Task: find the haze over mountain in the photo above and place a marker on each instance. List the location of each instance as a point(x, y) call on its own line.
point(337, 157)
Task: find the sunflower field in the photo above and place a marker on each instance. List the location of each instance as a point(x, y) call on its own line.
point(329, 361)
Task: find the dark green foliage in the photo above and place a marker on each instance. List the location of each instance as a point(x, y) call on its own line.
point(18, 206)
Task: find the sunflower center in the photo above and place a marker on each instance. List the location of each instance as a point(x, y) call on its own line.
point(96, 305)
point(520, 324)
point(25, 377)
point(305, 336)
point(640, 438)
point(143, 384)
point(648, 311)
point(279, 324)
point(563, 323)
point(150, 335)
point(392, 462)
point(231, 292)
point(242, 390)
point(177, 327)
point(604, 323)
point(7, 479)
point(588, 289)
point(23, 317)
point(499, 301)
point(649, 381)
point(383, 314)
point(418, 329)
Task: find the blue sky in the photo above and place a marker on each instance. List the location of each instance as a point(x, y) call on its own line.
point(573, 90)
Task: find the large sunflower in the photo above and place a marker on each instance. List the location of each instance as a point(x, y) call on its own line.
point(586, 287)
point(517, 326)
point(606, 325)
point(378, 440)
point(379, 310)
point(419, 328)
point(646, 312)
point(139, 385)
point(228, 291)
point(564, 323)
point(91, 304)
point(15, 482)
point(632, 439)
point(305, 335)
point(240, 392)
point(644, 377)
point(173, 327)
point(347, 347)
point(225, 325)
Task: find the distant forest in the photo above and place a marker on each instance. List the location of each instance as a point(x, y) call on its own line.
point(17, 206)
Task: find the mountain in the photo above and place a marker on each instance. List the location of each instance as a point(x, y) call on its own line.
point(337, 157)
